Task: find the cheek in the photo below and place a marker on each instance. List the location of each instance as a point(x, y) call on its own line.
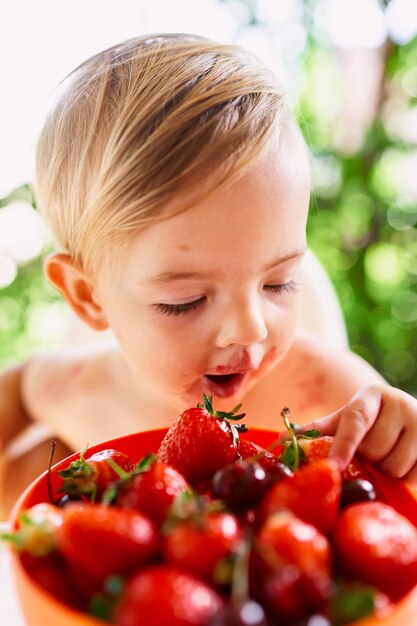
point(286, 319)
point(168, 346)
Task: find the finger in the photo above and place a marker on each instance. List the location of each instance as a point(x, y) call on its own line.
point(411, 478)
point(357, 417)
point(382, 437)
point(325, 425)
point(401, 459)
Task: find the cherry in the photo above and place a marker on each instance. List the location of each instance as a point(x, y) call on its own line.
point(357, 490)
point(241, 485)
point(276, 472)
point(66, 499)
point(248, 613)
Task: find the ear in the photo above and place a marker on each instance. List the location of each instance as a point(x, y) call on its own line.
point(77, 290)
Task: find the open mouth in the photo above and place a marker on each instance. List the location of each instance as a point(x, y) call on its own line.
point(223, 385)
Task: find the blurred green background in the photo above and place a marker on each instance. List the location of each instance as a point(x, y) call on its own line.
point(357, 108)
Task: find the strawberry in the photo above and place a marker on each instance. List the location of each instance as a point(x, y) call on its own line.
point(151, 491)
point(97, 540)
point(294, 541)
point(266, 459)
point(164, 595)
point(37, 530)
point(301, 447)
point(291, 567)
point(88, 477)
point(312, 493)
point(201, 541)
point(319, 448)
point(378, 545)
point(200, 441)
point(51, 574)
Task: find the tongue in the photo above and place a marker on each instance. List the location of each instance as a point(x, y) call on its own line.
point(223, 385)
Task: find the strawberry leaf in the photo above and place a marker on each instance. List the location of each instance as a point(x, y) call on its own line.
point(79, 479)
point(288, 456)
point(227, 415)
point(310, 434)
point(293, 454)
point(102, 604)
point(110, 494)
point(352, 602)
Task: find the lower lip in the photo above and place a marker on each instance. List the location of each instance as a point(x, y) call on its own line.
point(224, 389)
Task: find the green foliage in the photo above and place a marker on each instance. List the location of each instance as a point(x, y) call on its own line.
point(26, 306)
point(362, 225)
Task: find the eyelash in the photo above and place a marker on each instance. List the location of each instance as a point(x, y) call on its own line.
point(291, 287)
point(180, 309)
point(188, 307)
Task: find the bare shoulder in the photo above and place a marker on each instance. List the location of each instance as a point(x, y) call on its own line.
point(51, 378)
point(312, 379)
point(13, 416)
point(334, 374)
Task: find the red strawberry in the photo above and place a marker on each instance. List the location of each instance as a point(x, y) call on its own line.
point(51, 574)
point(97, 540)
point(152, 491)
point(296, 542)
point(300, 447)
point(166, 596)
point(89, 476)
point(267, 459)
point(319, 448)
point(200, 543)
point(200, 441)
point(312, 493)
point(378, 545)
point(37, 530)
point(291, 567)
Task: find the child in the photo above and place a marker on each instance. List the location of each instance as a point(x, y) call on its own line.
point(176, 184)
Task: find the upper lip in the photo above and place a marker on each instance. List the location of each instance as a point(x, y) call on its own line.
point(234, 368)
point(240, 365)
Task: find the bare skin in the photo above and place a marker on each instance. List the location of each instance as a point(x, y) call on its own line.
point(206, 293)
point(84, 397)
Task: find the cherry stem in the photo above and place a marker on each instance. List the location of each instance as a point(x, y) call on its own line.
point(240, 577)
point(49, 481)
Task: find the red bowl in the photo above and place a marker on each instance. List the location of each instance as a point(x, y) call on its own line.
point(42, 609)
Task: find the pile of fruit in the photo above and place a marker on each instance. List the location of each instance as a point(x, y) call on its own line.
point(213, 530)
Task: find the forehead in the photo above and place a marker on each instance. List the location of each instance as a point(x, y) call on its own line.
point(260, 214)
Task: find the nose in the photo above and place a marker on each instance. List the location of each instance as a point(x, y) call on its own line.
point(243, 325)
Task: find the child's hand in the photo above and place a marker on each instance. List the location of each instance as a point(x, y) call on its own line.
point(380, 423)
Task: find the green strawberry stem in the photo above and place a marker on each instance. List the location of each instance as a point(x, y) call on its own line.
point(78, 479)
point(112, 490)
point(228, 415)
point(285, 414)
point(235, 429)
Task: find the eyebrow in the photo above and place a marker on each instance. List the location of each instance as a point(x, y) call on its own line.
point(164, 277)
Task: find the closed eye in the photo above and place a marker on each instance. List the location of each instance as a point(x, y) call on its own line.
point(180, 309)
point(291, 287)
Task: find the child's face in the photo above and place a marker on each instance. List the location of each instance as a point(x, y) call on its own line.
point(212, 291)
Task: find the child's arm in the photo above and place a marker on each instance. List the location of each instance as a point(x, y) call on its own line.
point(380, 422)
point(14, 417)
point(18, 469)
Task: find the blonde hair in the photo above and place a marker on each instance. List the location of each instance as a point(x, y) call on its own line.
point(138, 123)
